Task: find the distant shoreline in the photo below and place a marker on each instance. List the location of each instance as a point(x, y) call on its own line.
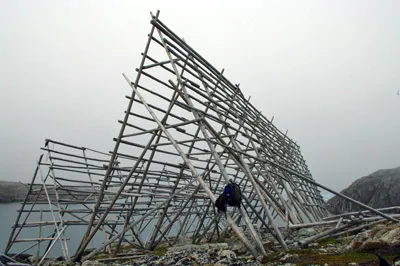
point(12, 192)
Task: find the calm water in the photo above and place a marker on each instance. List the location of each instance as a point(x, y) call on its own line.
point(8, 215)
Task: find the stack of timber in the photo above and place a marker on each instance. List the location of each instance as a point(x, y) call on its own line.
point(346, 224)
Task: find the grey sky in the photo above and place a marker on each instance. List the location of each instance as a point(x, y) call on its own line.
point(327, 70)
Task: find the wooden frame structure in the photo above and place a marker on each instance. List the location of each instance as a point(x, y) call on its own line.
point(186, 118)
point(61, 194)
point(187, 131)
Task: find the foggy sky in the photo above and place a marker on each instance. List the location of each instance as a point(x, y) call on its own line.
point(328, 71)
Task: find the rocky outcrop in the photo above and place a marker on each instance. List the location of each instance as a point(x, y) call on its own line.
point(378, 190)
point(190, 256)
point(12, 191)
point(379, 237)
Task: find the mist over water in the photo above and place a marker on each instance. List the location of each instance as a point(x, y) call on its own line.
point(74, 233)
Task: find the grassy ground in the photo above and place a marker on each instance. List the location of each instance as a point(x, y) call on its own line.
point(313, 257)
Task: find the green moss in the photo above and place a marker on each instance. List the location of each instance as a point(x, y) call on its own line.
point(102, 255)
point(302, 251)
point(309, 256)
point(218, 240)
point(339, 259)
point(160, 250)
point(326, 241)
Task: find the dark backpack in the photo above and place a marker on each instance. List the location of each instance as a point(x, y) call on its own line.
point(233, 195)
point(220, 203)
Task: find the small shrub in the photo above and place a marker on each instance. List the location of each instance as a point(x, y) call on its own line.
point(346, 240)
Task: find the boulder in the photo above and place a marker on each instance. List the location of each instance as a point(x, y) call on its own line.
point(377, 238)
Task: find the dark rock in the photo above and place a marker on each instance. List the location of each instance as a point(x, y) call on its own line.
point(378, 190)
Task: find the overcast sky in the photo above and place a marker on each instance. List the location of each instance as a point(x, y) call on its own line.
point(328, 71)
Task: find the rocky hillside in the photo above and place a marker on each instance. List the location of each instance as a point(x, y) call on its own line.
point(12, 191)
point(378, 190)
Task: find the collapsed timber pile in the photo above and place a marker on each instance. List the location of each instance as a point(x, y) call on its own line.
point(347, 224)
point(187, 131)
